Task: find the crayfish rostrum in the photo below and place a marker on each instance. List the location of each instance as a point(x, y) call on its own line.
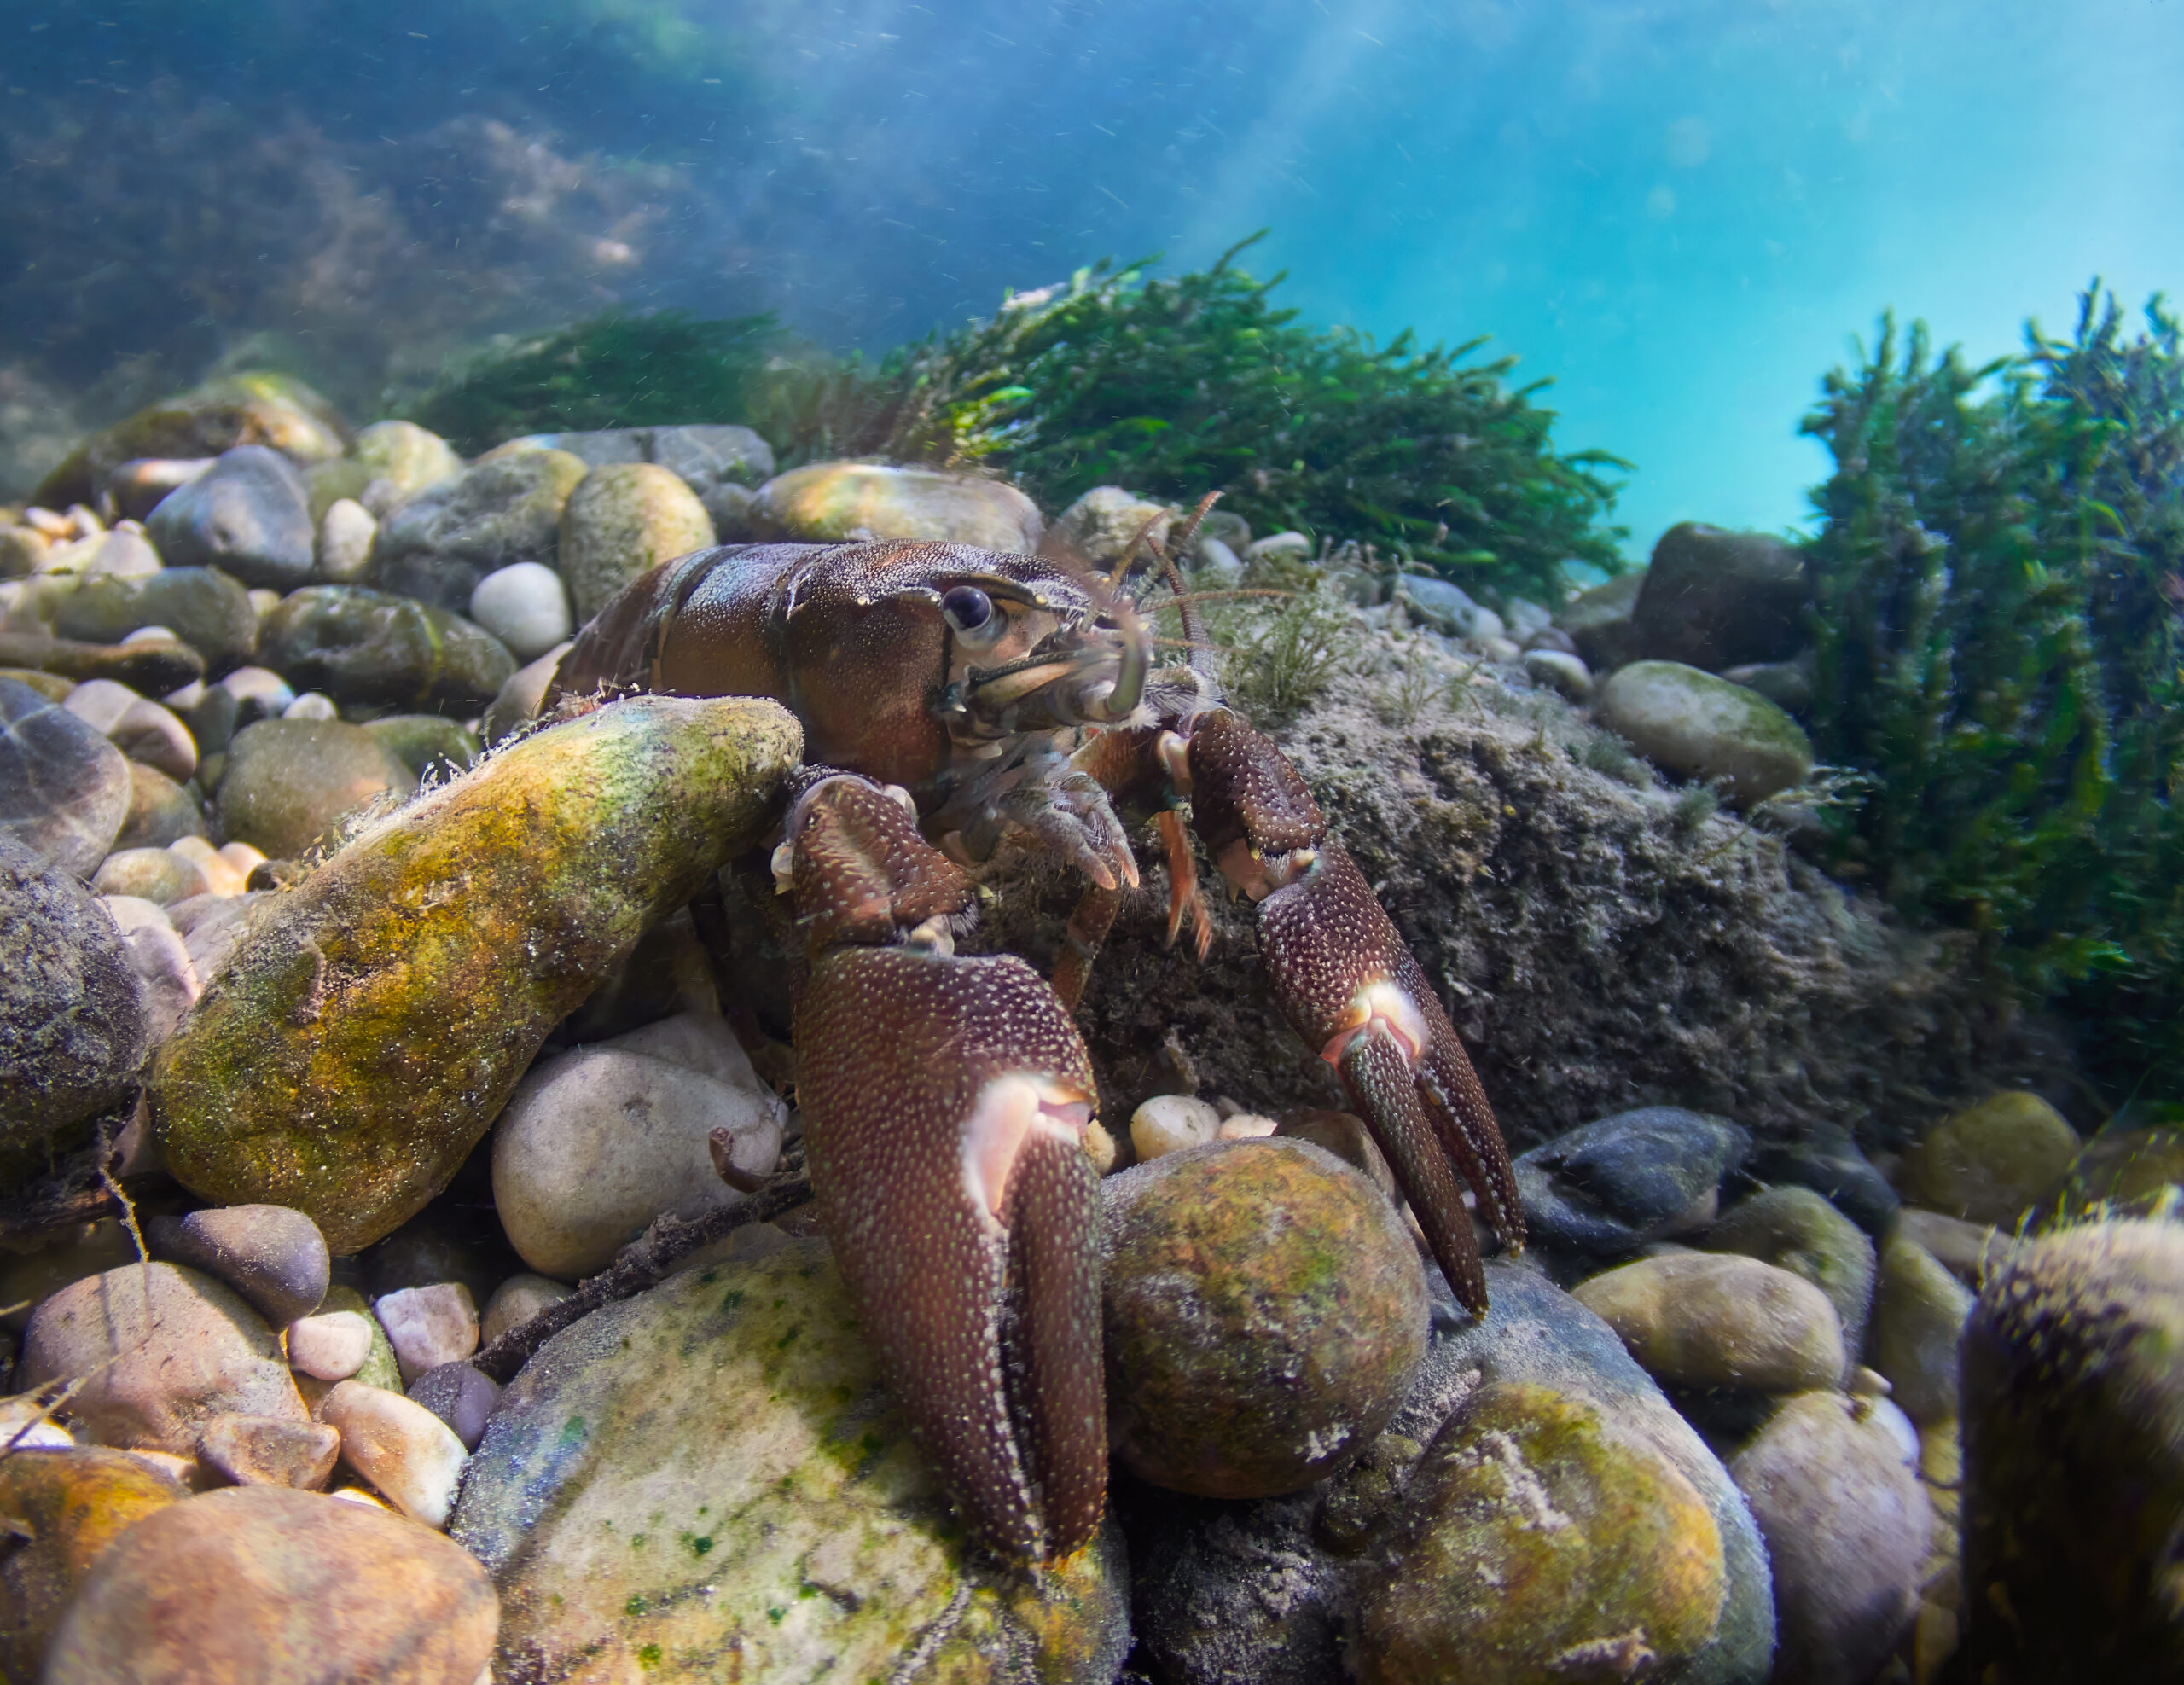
point(949, 696)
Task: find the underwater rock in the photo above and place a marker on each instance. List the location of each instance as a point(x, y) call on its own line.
point(1786, 684)
point(426, 742)
point(330, 1345)
point(2074, 1458)
point(64, 789)
point(72, 1025)
point(268, 1451)
point(289, 783)
point(1794, 1229)
point(428, 1326)
point(1259, 1592)
point(517, 703)
point(828, 500)
point(437, 545)
point(1704, 728)
point(1827, 1161)
point(1990, 1162)
point(141, 728)
point(460, 1397)
point(1599, 621)
point(264, 1582)
point(2120, 1173)
point(410, 1456)
point(161, 811)
point(1559, 672)
point(1445, 608)
point(365, 646)
point(367, 1029)
point(149, 661)
point(1607, 1187)
point(621, 521)
point(1833, 1483)
point(1101, 526)
point(719, 463)
point(204, 608)
point(69, 1505)
point(1263, 1308)
point(345, 534)
point(1700, 1320)
point(1168, 1123)
point(794, 1474)
point(250, 408)
point(1919, 1315)
point(162, 1349)
point(167, 981)
point(1714, 599)
point(594, 1145)
point(380, 1367)
point(516, 1301)
point(1627, 1577)
point(525, 605)
point(273, 1256)
point(247, 514)
point(406, 457)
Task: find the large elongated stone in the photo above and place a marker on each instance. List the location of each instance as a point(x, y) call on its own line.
point(371, 1022)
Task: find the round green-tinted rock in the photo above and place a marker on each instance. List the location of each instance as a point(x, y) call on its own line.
point(203, 606)
point(66, 1506)
point(1918, 1315)
point(255, 407)
point(365, 646)
point(1796, 1229)
point(2073, 1377)
point(288, 784)
point(1544, 1547)
point(1263, 1308)
point(425, 742)
point(372, 1021)
point(1990, 1162)
point(1704, 727)
point(442, 541)
point(709, 1481)
point(828, 501)
point(623, 521)
point(1707, 1319)
point(407, 456)
point(2121, 1173)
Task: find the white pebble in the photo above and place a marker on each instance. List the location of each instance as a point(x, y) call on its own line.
point(332, 1346)
point(261, 686)
point(264, 601)
point(311, 706)
point(402, 1447)
point(429, 1326)
point(1245, 1126)
point(221, 877)
point(1168, 1123)
point(99, 703)
point(525, 605)
point(516, 1301)
point(345, 541)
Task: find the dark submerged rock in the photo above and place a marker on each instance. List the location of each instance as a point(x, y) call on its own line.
point(249, 514)
point(64, 788)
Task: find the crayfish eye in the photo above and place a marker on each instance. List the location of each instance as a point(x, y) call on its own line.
point(968, 609)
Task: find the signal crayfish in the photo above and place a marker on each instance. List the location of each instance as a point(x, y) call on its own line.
point(950, 696)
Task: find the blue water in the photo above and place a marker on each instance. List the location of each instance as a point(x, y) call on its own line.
point(1681, 213)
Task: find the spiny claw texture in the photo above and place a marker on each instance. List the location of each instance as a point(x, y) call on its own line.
point(945, 1101)
point(1350, 986)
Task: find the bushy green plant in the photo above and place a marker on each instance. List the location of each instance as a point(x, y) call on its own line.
point(1996, 590)
point(1176, 388)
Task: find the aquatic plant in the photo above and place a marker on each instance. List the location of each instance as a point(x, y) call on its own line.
point(1996, 586)
point(1177, 386)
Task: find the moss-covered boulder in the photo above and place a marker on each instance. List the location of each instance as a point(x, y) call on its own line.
point(66, 1506)
point(1263, 1309)
point(1990, 1162)
point(828, 500)
point(203, 606)
point(709, 1480)
point(1545, 1546)
point(365, 646)
point(1701, 1320)
point(372, 1021)
point(2073, 1388)
point(621, 522)
point(1703, 728)
point(408, 457)
point(255, 407)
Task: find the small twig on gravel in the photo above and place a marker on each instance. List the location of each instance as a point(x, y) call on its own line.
point(644, 1262)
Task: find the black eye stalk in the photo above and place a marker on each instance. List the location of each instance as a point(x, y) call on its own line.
point(968, 609)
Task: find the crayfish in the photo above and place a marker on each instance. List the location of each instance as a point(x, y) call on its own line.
point(950, 696)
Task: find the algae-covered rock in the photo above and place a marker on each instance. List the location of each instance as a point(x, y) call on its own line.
point(1919, 1315)
point(2121, 1173)
point(251, 408)
point(621, 522)
point(1796, 1229)
point(407, 456)
point(67, 1505)
point(827, 501)
point(289, 783)
point(1703, 727)
point(1990, 1162)
point(1700, 1320)
point(203, 606)
point(1545, 1545)
point(1263, 1308)
point(443, 541)
point(2073, 1391)
point(365, 646)
point(424, 742)
point(373, 1020)
point(710, 1476)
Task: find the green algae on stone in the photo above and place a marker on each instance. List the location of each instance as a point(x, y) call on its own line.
point(426, 741)
point(1703, 728)
point(359, 645)
point(1544, 1546)
point(287, 784)
point(621, 521)
point(1796, 1229)
point(1264, 1308)
point(709, 1480)
point(372, 1021)
point(1990, 1161)
point(828, 501)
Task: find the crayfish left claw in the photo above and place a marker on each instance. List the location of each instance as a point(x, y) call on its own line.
point(945, 1101)
point(1351, 988)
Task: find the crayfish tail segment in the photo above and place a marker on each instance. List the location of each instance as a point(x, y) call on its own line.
point(945, 1102)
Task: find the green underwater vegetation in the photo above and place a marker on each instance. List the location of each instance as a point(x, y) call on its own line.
point(1996, 598)
point(1170, 387)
